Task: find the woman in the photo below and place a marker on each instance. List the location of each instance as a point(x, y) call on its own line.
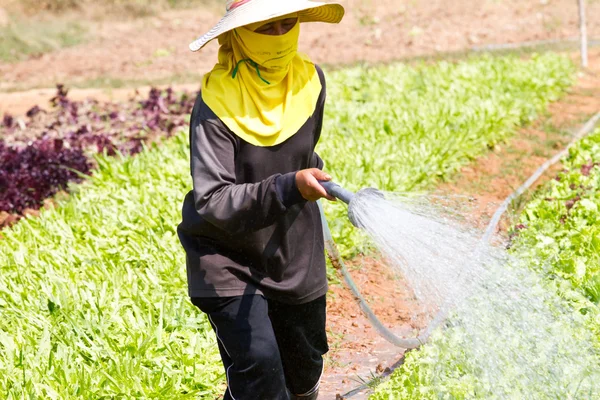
point(251, 228)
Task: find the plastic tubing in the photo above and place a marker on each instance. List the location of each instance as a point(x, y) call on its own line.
point(529, 44)
point(337, 191)
point(492, 226)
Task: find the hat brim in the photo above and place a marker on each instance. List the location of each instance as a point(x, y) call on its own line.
point(262, 10)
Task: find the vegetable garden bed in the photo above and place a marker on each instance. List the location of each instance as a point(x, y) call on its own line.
point(44, 151)
point(558, 237)
point(92, 293)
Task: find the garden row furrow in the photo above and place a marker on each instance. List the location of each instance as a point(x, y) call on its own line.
point(558, 238)
point(400, 128)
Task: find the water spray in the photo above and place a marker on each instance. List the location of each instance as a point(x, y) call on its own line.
point(519, 337)
point(355, 202)
point(347, 197)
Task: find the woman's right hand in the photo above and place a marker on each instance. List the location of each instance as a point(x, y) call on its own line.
point(307, 181)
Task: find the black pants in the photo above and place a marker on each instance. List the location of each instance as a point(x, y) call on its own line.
point(267, 346)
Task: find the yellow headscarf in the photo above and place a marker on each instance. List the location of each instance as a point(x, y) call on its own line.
point(262, 88)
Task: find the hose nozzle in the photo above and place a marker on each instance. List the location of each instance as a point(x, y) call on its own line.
point(347, 197)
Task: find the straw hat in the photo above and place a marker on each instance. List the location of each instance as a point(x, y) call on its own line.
point(244, 12)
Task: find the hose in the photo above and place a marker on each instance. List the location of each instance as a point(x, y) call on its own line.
point(337, 191)
point(530, 44)
point(337, 262)
point(347, 196)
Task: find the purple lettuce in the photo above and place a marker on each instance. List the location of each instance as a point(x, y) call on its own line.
point(33, 173)
point(41, 152)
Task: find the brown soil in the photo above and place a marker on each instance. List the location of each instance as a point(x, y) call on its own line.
point(18, 103)
point(373, 31)
point(493, 177)
point(357, 352)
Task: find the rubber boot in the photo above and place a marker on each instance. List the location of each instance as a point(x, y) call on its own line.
point(309, 396)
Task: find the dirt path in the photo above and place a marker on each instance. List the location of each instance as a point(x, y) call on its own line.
point(493, 177)
point(18, 103)
point(155, 49)
point(358, 353)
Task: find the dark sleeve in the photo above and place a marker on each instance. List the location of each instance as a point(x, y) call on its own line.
point(234, 208)
point(316, 161)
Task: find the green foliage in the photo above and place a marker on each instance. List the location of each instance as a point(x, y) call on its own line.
point(558, 237)
point(133, 8)
point(401, 128)
point(93, 296)
point(562, 224)
point(20, 38)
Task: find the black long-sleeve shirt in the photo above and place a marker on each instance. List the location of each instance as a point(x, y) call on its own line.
point(246, 229)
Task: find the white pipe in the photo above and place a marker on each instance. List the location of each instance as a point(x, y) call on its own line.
point(583, 33)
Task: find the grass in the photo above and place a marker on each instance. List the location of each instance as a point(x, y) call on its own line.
point(22, 38)
point(120, 8)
